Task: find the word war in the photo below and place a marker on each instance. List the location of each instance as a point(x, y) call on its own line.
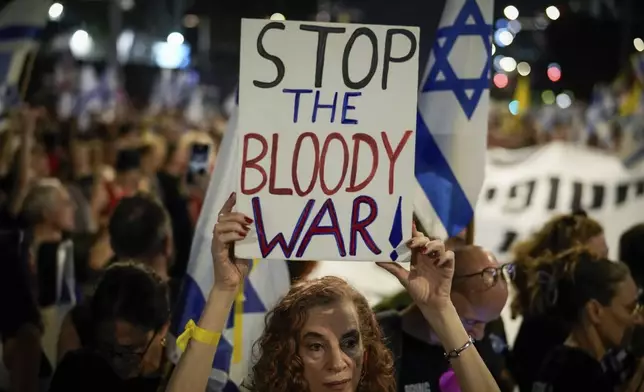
point(328, 208)
point(317, 179)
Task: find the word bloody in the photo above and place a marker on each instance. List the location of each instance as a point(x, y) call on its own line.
point(315, 229)
point(319, 159)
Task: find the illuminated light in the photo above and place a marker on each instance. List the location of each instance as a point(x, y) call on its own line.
point(500, 80)
point(554, 73)
point(523, 68)
point(514, 107)
point(191, 21)
point(175, 38)
point(555, 65)
point(563, 100)
point(56, 11)
point(503, 37)
point(548, 97)
point(496, 62)
point(639, 44)
point(511, 12)
point(514, 27)
point(493, 49)
point(278, 16)
point(508, 64)
point(553, 13)
point(171, 56)
point(127, 5)
point(80, 43)
point(501, 23)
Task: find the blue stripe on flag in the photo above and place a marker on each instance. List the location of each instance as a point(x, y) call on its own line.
point(12, 33)
point(435, 177)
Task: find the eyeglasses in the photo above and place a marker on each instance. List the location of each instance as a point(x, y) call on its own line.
point(490, 275)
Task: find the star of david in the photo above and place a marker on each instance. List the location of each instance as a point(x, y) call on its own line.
point(442, 77)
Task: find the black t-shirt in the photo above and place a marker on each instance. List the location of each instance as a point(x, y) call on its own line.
point(568, 369)
point(538, 335)
point(83, 370)
point(419, 365)
point(177, 206)
point(422, 365)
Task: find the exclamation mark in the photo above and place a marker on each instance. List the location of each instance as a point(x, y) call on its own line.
point(396, 236)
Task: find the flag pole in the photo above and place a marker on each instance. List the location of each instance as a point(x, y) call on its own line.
point(469, 233)
point(28, 71)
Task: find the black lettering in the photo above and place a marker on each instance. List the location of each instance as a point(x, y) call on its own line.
point(508, 239)
point(323, 34)
point(639, 188)
point(490, 193)
point(388, 59)
point(554, 193)
point(577, 193)
point(622, 193)
point(279, 64)
point(374, 58)
point(598, 197)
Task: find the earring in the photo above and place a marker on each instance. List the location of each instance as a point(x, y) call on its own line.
point(163, 342)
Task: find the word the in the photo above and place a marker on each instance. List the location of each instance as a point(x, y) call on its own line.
point(315, 229)
point(318, 105)
point(319, 162)
point(323, 34)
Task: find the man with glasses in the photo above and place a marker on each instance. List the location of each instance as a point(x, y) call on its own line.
point(479, 293)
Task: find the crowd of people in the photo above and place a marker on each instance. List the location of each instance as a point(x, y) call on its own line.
point(96, 230)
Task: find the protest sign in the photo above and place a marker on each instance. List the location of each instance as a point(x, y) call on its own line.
point(520, 195)
point(327, 119)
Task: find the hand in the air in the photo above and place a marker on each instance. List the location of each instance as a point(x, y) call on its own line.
point(230, 227)
point(429, 280)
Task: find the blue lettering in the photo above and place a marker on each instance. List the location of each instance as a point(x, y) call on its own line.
point(346, 107)
point(296, 100)
point(317, 105)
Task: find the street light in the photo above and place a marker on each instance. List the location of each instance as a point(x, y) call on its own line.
point(56, 11)
point(175, 38)
point(80, 43)
point(552, 12)
point(278, 16)
point(511, 12)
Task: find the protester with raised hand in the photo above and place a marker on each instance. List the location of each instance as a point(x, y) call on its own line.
point(333, 345)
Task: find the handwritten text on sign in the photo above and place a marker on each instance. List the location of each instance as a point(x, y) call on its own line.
point(327, 114)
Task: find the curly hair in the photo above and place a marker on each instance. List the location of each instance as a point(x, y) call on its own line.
point(561, 285)
point(278, 366)
point(557, 235)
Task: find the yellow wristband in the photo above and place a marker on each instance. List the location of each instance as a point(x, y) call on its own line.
point(201, 335)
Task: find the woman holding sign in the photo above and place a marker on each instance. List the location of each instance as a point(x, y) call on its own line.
point(322, 335)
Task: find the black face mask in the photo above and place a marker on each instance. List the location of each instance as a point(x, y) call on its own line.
point(125, 362)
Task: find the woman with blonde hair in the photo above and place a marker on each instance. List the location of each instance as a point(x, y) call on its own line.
point(322, 335)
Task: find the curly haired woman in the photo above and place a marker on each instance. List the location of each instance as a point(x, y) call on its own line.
point(323, 336)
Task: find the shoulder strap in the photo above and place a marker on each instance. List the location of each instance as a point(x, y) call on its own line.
point(391, 325)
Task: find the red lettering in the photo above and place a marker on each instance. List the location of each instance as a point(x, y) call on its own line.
point(296, 157)
point(272, 189)
point(345, 162)
point(360, 226)
point(393, 155)
point(252, 163)
point(371, 142)
point(315, 229)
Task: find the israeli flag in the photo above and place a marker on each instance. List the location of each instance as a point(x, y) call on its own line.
point(91, 98)
point(451, 131)
point(268, 281)
point(21, 22)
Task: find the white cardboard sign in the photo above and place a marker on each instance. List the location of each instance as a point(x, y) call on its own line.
point(327, 119)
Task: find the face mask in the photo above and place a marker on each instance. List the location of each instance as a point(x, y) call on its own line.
point(125, 362)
